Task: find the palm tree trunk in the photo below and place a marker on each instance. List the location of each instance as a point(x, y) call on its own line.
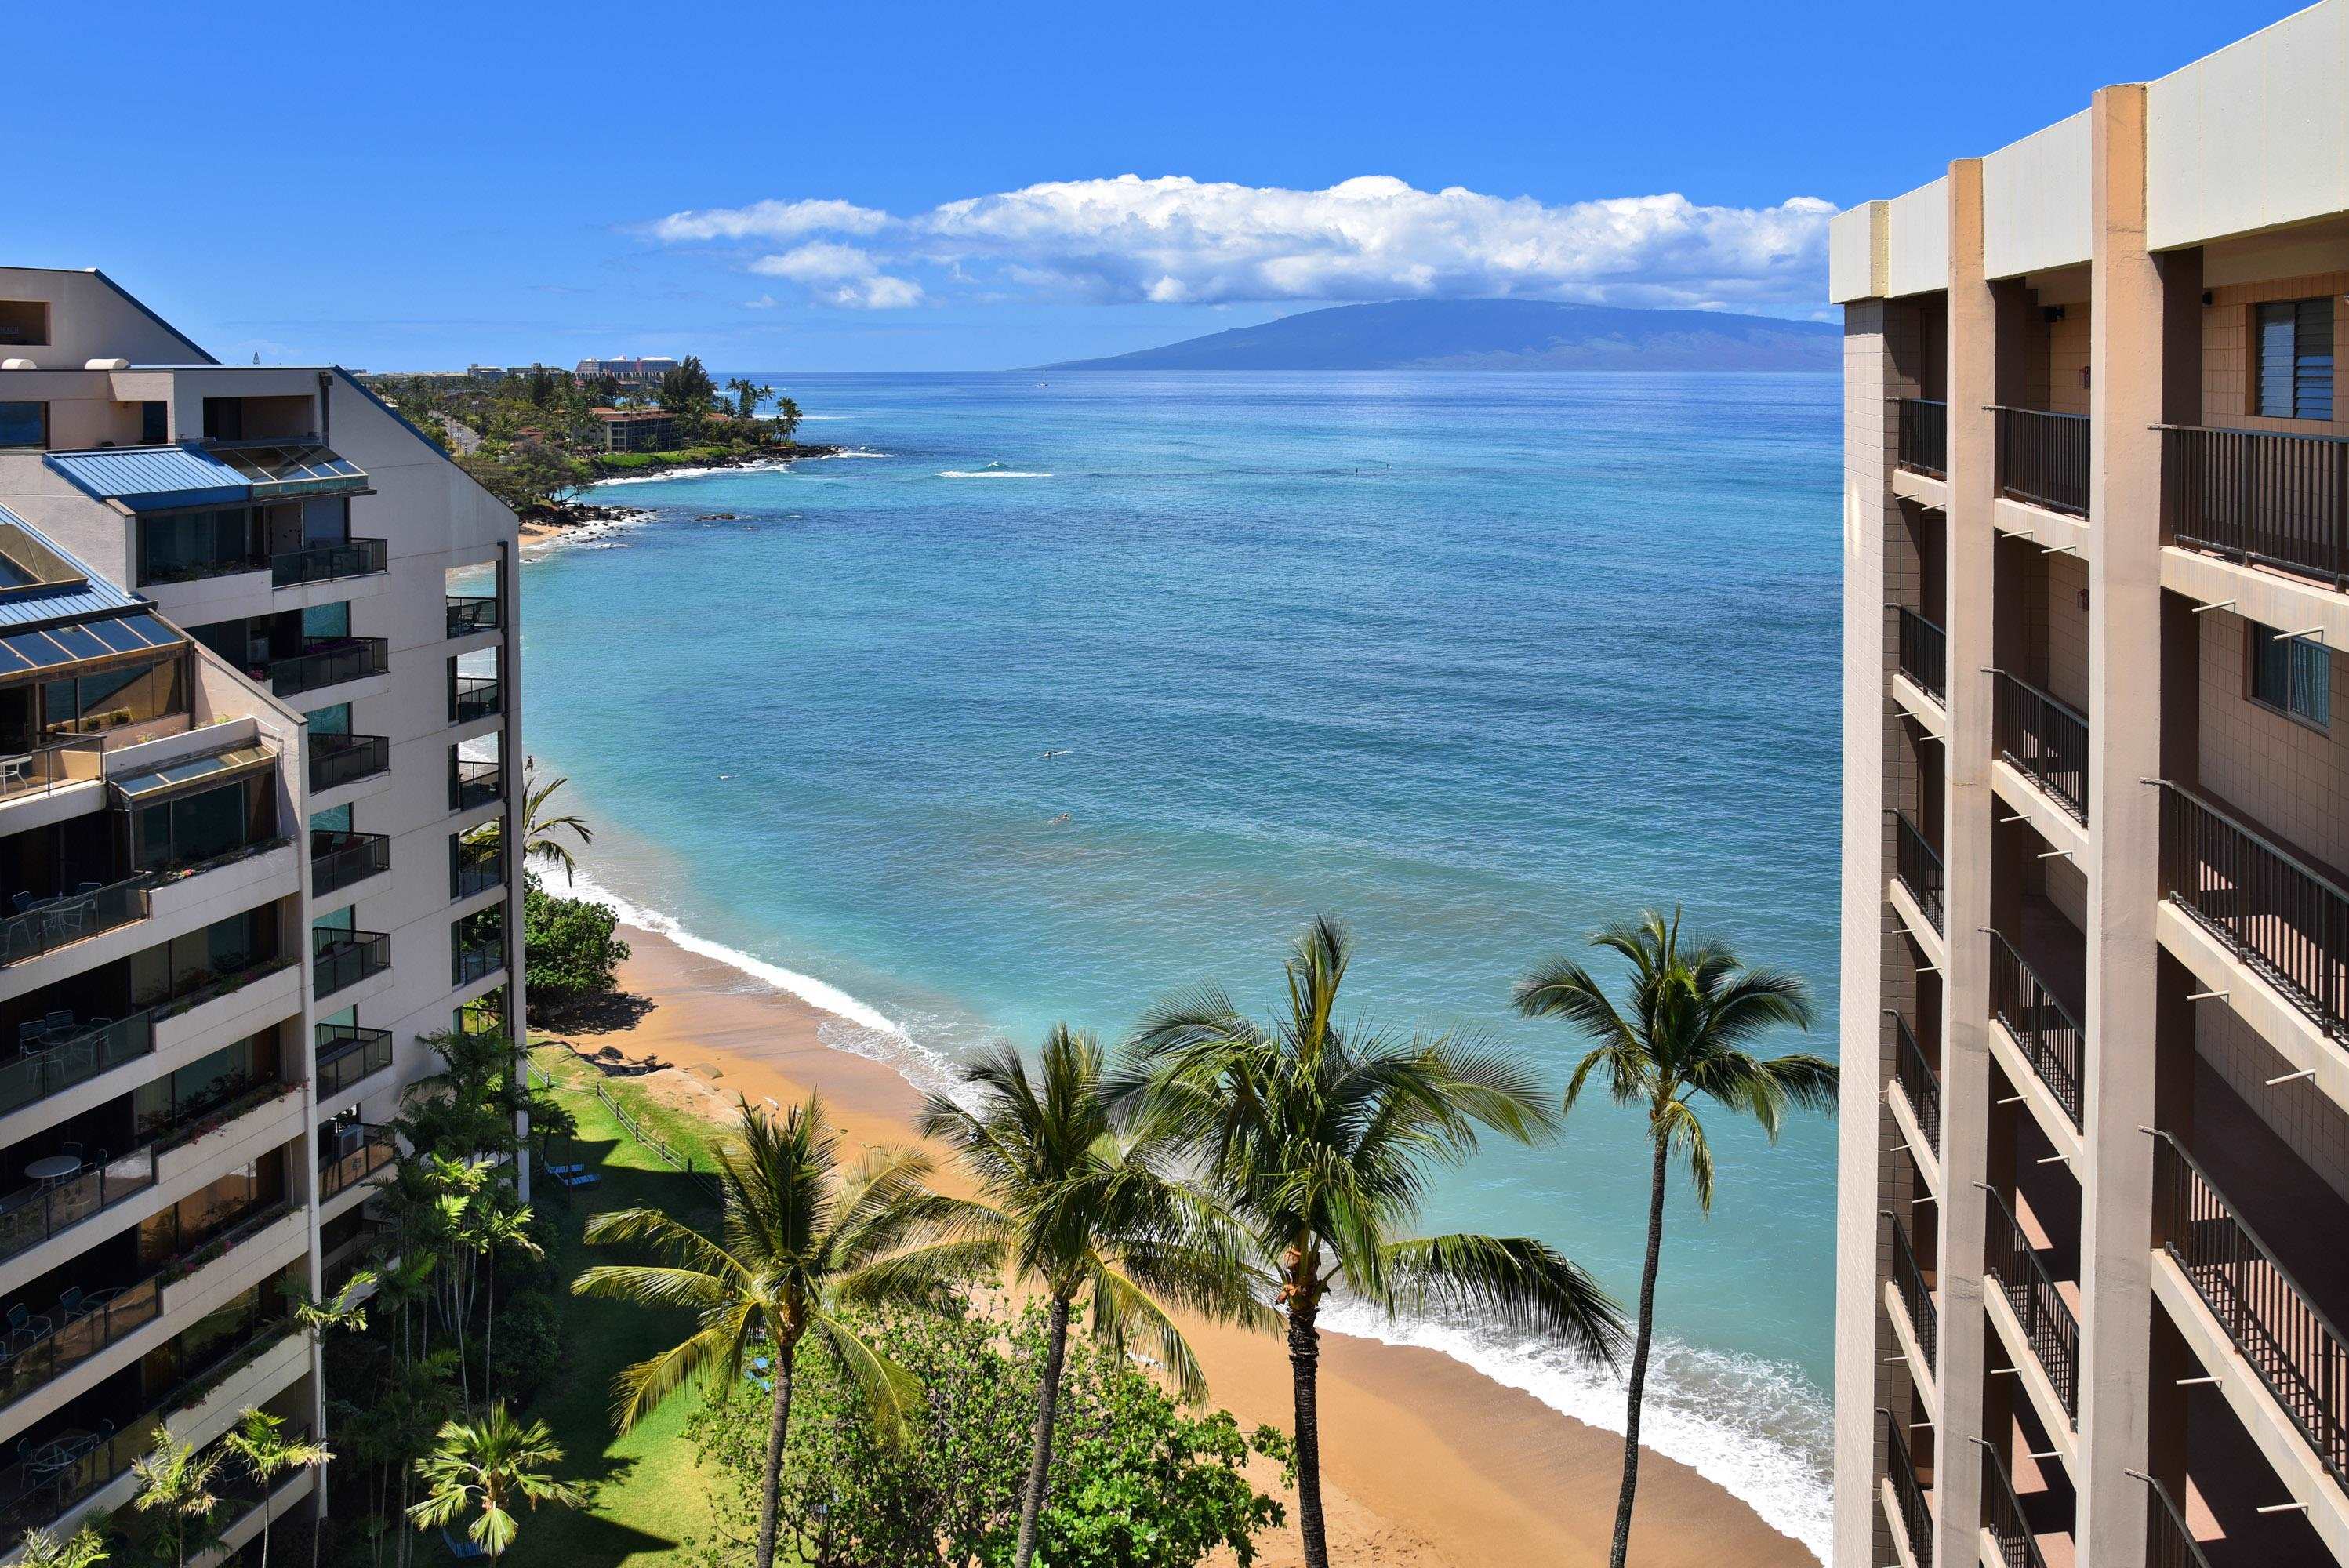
point(771, 1505)
point(1304, 1369)
point(1640, 1358)
point(1040, 1457)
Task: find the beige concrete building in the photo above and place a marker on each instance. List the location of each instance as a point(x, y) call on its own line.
point(256, 681)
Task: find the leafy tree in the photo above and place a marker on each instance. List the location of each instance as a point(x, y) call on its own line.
point(688, 392)
point(802, 1241)
point(542, 386)
point(530, 476)
point(1087, 1208)
point(260, 1447)
point(484, 1468)
point(1320, 1136)
point(175, 1482)
point(1691, 1014)
point(569, 948)
point(84, 1548)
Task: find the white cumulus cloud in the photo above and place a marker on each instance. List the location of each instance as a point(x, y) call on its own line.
point(1174, 239)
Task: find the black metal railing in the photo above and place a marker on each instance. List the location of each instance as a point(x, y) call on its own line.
point(473, 783)
point(343, 958)
point(2038, 1306)
point(339, 760)
point(1908, 1494)
point(2273, 909)
point(471, 697)
point(469, 614)
point(1917, 866)
point(2262, 496)
point(339, 857)
point(2002, 1516)
point(2051, 1038)
point(347, 1054)
point(2042, 459)
point(2168, 1543)
point(352, 1152)
point(60, 1061)
point(475, 866)
point(1909, 1278)
point(319, 563)
point(1920, 1084)
point(71, 917)
point(330, 661)
point(1924, 432)
point(1924, 653)
point(2044, 737)
point(2286, 1337)
point(31, 1215)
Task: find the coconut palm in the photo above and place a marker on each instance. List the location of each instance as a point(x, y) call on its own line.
point(486, 1467)
point(175, 1480)
point(801, 1240)
point(1088, 1207)
point(1323, 1137)
point(490, 1228)
point(543, 830)
point(1690, 1014)
point(259, 1445)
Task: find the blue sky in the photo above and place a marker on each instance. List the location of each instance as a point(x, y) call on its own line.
point(937, 186)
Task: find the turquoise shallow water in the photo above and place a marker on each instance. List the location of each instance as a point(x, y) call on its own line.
point(1473, 661)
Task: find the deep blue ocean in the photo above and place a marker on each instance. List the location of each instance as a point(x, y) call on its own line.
point(1473, 661)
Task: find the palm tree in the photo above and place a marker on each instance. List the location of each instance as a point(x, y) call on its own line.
point(176, 1481)
point(1322, 1138)
point(490, 1228)
point(1087, 1207)
point(489, 1465)
point(801, 1241)
point(1691, 1014)
point(543, 830)
point(259, 1444)
point(84, 1548)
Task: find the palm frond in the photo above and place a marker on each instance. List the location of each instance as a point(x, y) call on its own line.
point(1515, 1279)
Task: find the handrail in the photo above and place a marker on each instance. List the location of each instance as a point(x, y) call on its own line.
point(2039, 1305)
point(332, 759)
point(71, 918)
point(1908, 845)
point(2270, 845)
point(1921, 435)
point(1919, 1082)
point(340, 958)
point(2018, 1546)
point(475, 697)
point(335, 1045)
point(2044, 737)
point(1916, 1514)
point(41, 769)
point(30, 1078)
point(1924, 1314)
point(1924, 651)
point(32, 1216)
point(375, 1148)
point(354, 557)
point(2041, 457)
point(2018, 999)
point(2274, 498)
point(2169, 1542)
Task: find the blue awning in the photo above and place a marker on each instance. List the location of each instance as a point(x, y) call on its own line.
point(158, 478)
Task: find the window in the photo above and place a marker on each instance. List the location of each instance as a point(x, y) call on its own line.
point(2292, 675)
point(85, 705)
point(193, 544)
point(2295, 355)
point(24, 424)
point(224, 419)
point(154, 424)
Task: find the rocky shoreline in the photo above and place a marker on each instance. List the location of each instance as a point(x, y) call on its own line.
point(578, 521)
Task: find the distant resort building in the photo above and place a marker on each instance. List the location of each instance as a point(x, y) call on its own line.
point(637, 429)
point(643, 370)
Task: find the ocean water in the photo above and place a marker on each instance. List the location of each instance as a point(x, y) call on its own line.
point(1473, 661)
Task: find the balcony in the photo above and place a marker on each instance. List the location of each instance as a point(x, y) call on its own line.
point(1917, 868)
point(474, 784)
point(1920, 1084)
point(1916, 1291)
point(71, 1052)
point(1924, 653)
point(1911, 1513)
point(348, 1055)
point(1924, 436)
point(2274, 912)
point(2042, 459)
point(2045, 739)
point(338, 859)
point(2014, 1264)
point(47, 767)
point(475, 867)
point(324, 562)
point(339, 760)
point(2048, 1031)
point(2261, 498)
point(330, 661)
point(46, 924)
point(470, 614)
point(472, 957)
point(31, 1215)
point(2169, 1542)
point(351, 1151)
point(2012, 1533)
point(341, 959)
point(473, 698)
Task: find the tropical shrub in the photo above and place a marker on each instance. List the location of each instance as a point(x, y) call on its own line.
point(529, 1344)
point(570, 949)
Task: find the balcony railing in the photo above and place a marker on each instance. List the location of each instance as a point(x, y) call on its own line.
point(476, 868)
point(2002, 1515)
point(45, 768)
point(339, 760)
point(2278, 499)
point(343, 958)
point(330, 662)
point(1924, 436)
point(1920, 1084)
point(469, 614)
point(2264, 905)
point(2045, 737)
point(1924, 653)
point(2050, 1036)
point(2042, 459)
point(351, 1153)
point(2031, 1291)
point(320, 562)
point(1917, 866)
point(31, 1215)
point(471, 697)
point(348, 1055)
point(2168, 1543)
point(471, 960)
point(473, 783)
point(1908, 1495)
point(338, 859)
point(1924, 1317)
point(59, 1061)
point(2286, 1337)
point(71, 917)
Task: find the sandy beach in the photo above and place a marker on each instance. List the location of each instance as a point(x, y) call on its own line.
point(1427, 1462)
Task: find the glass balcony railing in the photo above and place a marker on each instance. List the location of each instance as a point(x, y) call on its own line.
point(323, 563)
point(31, 1215)
point(473, 783)
point(476, 958)
point(46, 924)
point(72, 1053)
point(473, 698)
point(469, 614)
point(341, 959)
point(339, 760)
point(476, 868)
point(46, 768)
point(339, 859)
point(348, 1055)
point(350, 1153)
point(330, 662)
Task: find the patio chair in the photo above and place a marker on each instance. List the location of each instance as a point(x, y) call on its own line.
point(70, 1147)
point(24, 1322)
point(29, 1031)
point(83, 890)
point(58, 1021)
point(22, 900)
point(69, 1304)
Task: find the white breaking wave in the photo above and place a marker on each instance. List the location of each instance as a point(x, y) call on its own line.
point(780, 463)
point(852, 452)
point(806, 418)
point(993, 474)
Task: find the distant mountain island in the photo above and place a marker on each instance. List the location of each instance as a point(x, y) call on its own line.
point(1496, 335)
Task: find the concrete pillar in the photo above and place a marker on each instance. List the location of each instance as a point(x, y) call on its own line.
point(2124, 647)
point(1966, 835)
